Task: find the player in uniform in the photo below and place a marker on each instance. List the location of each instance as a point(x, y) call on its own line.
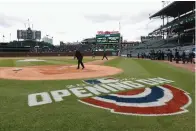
point(79, 57)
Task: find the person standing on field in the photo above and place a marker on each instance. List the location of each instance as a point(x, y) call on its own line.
point(93, 54)
point(177, 56)
point(170, 56)
point(79, 57)
point(104, 54)
point(183, 57)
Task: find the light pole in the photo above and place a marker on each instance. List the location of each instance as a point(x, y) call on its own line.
point(10, 37)
point(3, 38)
point(119, 40)
point(52, 40)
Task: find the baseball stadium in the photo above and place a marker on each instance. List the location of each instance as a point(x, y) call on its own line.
point(122, 86)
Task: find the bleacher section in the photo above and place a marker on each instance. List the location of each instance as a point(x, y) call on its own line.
point(180, 32)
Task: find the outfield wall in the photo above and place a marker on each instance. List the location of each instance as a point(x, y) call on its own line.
point(23, 54)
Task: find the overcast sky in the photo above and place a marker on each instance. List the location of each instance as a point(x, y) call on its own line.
point(76, 21)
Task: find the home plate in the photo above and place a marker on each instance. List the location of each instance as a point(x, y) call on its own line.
point(17, 69)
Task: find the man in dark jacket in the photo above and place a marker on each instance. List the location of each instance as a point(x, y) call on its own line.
point(183, 57)
point(168, 53)
point(93, 54)
point(170, 56)
point(79, 57)
point(190, 57)
point(163, 55)
point(104, 55)
point(177, 56)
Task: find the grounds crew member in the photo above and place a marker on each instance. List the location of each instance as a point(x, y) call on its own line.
point(170, 56)
point(93, 54)
point(177, 56)
point(79, 57)
point(190, 57)
point(163, 55)
point(104, 55)
point(168, 52)
point(183, 57)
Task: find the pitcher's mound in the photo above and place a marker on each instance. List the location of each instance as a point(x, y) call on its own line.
point(58, 72)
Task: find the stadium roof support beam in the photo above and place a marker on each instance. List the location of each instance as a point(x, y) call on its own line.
point(175, 8)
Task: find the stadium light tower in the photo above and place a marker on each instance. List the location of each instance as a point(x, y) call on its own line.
point(28, 23)
point(120, 39)
point(163, 3)
point(10, 36)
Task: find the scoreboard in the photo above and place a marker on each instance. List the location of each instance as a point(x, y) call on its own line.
point(29, 34)
point(108, 38)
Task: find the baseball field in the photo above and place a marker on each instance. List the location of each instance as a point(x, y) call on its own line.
point(156, 96)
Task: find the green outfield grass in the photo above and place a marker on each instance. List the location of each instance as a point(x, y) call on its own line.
point(70, 115)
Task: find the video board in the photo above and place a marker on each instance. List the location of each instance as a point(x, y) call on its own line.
point(108, 38)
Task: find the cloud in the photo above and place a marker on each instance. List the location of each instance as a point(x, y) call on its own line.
point(101, 18)
point(75, 21)
point(61, 33)
point(125, 18)
point(139, 17)
point(8, 21)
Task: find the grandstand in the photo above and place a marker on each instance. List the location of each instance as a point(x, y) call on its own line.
point(24, 46)
point(176, 34)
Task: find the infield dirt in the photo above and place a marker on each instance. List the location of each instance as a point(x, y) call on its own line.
point(59, 72)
